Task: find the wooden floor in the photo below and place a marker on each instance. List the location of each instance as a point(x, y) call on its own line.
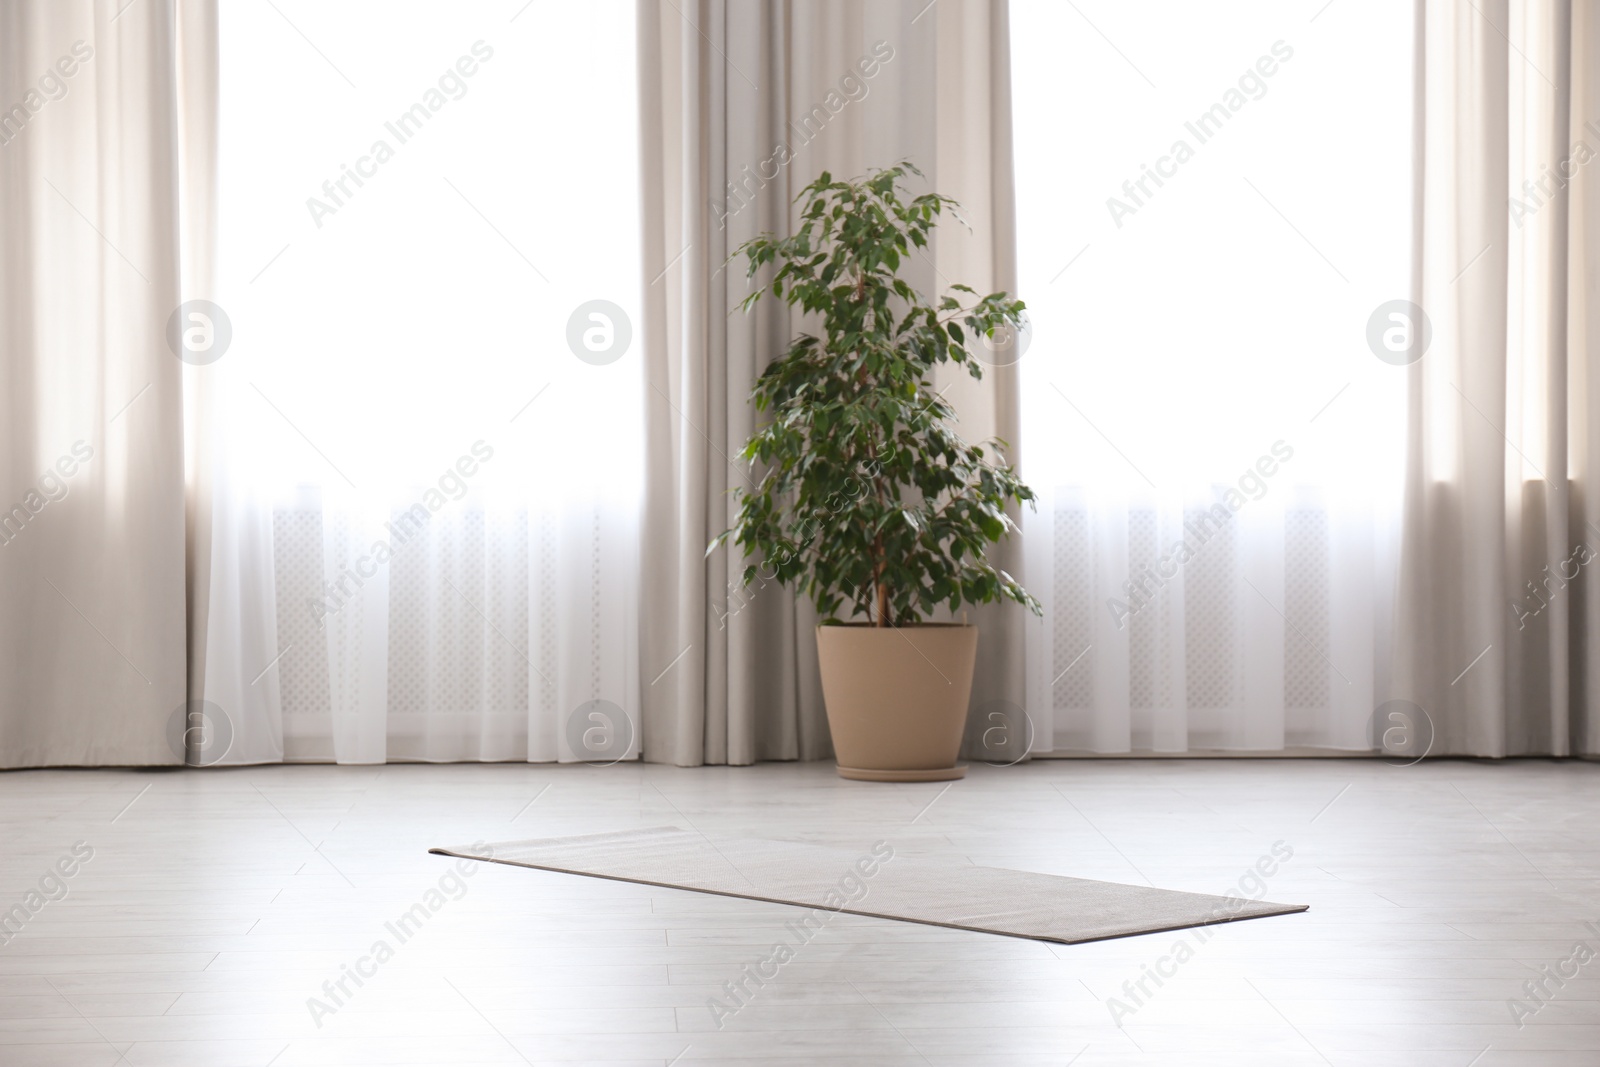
point(217, 903)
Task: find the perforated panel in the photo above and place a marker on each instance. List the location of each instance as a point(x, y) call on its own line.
point(458, 618)
point(545, 657)
point(1142, 627)
point(1211, 604)
point(297, 578)
point(444, 654)
point(1073, 593)
point(1211, 582)
point(1306, 604)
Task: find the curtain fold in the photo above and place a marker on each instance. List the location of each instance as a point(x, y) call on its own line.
point(1498, 628)
point(91, 438)
point(743, 104)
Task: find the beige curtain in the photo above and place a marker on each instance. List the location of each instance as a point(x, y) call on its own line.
point(1498, 631)
point(91, 420)
point(742, 104)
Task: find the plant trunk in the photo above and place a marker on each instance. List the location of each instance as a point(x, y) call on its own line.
point(880, 589)
point(880, 592)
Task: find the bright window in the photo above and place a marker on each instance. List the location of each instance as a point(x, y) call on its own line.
point(1215, 198)
point(416, 198)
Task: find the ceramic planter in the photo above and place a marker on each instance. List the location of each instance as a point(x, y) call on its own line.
point(897, 698)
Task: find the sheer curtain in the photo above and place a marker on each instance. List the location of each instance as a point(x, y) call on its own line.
point(1218, 446)
point(420, 458)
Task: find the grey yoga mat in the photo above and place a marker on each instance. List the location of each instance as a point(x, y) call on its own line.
point(877, 882)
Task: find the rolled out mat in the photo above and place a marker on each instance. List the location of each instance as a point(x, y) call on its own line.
point(876, 882)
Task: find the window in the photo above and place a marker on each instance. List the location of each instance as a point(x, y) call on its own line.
point(1201, 261)
point(429, 254)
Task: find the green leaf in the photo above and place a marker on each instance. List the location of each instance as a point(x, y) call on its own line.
point(862, 480)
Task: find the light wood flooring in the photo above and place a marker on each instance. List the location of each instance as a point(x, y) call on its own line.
point(218, 902)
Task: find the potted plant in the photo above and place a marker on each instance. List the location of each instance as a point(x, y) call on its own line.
point(870, 502)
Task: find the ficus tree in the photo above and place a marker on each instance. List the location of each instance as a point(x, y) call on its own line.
point(870, 503)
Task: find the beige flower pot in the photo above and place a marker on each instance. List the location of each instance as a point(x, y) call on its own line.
point(897, 698)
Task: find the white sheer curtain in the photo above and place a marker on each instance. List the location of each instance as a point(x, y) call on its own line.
point(426, 501)
point(1218, 448)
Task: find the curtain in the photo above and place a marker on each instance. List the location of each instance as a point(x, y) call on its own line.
point(743, 104)
point(1498, 629)
point(91, 491)
point(1214, 443)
